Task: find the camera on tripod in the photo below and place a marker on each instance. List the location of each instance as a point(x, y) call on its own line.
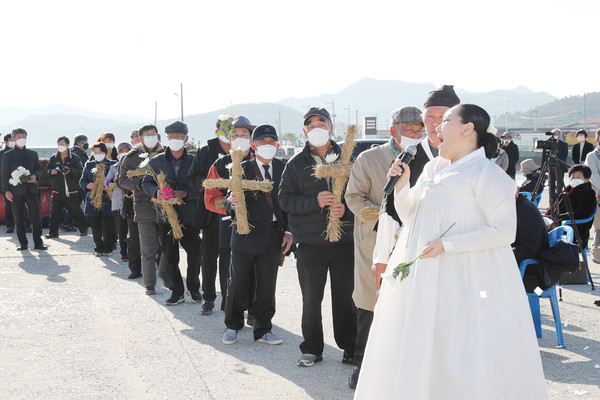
point(549, 144)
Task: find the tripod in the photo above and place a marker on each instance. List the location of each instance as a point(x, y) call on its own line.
point(552, 166)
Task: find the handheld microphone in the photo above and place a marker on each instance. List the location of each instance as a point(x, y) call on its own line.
point(406, 156)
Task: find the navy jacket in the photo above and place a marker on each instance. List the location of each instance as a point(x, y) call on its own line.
point(88, 177)
point(71, 162)
point(260, 213)
point(26, 158)
point(162, 163)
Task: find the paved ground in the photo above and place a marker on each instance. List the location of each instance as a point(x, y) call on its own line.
point(72, 326)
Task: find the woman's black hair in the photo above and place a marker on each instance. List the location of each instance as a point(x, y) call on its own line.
point(584, 169)
point(481, 122)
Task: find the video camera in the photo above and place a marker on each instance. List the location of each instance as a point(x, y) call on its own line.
point(549, 144)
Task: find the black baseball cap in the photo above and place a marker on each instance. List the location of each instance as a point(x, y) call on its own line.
point(263, 131)
point(311, 112)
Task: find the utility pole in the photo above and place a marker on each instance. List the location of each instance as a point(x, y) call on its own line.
point(279, 124)
point(584, 112)
point(505, 114)
point(181, 96)
point(155, 111)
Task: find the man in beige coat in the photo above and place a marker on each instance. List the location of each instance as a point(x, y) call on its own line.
point(364, 195)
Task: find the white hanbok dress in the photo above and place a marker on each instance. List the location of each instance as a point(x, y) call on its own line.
point(459, 326)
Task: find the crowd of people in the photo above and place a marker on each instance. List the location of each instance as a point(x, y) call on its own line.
point(458, 215)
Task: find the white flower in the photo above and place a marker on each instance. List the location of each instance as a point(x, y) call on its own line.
point(15, 174)
point(143, 155)
point(224, 117)
point(144, 163)
point(94, 170)
point(23, 170)
point(228, 166)
point(221, 155)
point(492, 129)
point(14, 182)
point(331, 157)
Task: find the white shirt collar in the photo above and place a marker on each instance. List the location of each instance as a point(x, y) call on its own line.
point(261, 168)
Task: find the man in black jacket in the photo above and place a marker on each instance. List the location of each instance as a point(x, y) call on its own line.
point(261, 249)
point(582, 148)
point(512, 150)
point(209, 221)
point(9, 221)
point(562, 149)
point(21, 193)
point(175, 163)
point(144, 213)
point(307, 201)
point(65, 169)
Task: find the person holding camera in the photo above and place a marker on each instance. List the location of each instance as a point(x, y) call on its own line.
point(65, 169)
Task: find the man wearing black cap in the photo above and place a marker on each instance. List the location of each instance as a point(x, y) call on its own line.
point(262, 248)
point(238, 135)
point(207, 220)
point(21, 193)
point(307, 201)
point(144, 213)
point(175, 163)
point(9, 221)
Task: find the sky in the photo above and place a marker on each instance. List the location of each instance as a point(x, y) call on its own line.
point(122, 57)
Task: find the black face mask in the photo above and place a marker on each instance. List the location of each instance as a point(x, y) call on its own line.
point(85, 146)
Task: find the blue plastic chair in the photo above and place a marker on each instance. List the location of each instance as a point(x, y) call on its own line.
point(560, 233)
point(537, 199)
point(583, 221)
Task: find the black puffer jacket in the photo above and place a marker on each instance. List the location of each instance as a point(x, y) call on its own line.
point(68, 171)
point(298, 197)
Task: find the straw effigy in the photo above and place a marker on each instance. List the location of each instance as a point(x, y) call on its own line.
point(110, 188)
point(97, 192)
point(237, 184)
point(339, 172)
point(136, 172)
point(370, 213)
point(166, 207)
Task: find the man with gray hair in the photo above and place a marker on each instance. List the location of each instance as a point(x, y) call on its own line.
point(363, 194)
point(563, 149)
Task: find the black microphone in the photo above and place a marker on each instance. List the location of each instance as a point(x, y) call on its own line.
point(406, 156)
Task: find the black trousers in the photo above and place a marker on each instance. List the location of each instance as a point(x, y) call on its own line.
point(134, 255)
point(19, 214)
point(314, 261)
point(363, 326)
point(170, 256)
point(71, 203)
point(103, 232)
point(8, 214)
point(122, 230)
point(265, 268)
point(210, 252)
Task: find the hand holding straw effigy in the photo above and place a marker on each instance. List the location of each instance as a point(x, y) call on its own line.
point(97, 192)
point(167, 206)
point(339, 172)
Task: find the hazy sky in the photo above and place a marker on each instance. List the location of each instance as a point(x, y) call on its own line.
point(122, 56)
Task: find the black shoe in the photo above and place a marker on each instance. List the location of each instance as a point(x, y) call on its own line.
point(174, 300)
point(124, 258)
point(84, 233)
point(40, 247)
point(196, 297)
point(51, 236)
point(207, 307)
point(250, 320)
point(22, 247)
point(150, 290)
point(10, 230)
point(69, 228)
point(353, 379)
point(597, 302)
point(134, 275)
point(347, 358)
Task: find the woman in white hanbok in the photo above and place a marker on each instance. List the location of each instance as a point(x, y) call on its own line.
point(459, 326)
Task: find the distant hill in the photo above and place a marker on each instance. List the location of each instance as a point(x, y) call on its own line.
point(371, 97)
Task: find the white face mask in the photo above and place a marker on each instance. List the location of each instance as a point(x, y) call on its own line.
point(176, 144)
point(224, 139)
point(580, 138)
point(62, 149)
point(121, 155)
point(506, 142)
point(240, 143)
point(109, 145)
point(11, 144)
point(318, 137)
point(22, 142)
point(556, 137)
point(266, 151)
point(406, 141)
point(150, 141)
point(576, 182)
point(99, 157)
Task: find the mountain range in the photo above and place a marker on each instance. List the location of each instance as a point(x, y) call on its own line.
point(367, 97)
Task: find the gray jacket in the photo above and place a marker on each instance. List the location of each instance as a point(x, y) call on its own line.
point(143, 208)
